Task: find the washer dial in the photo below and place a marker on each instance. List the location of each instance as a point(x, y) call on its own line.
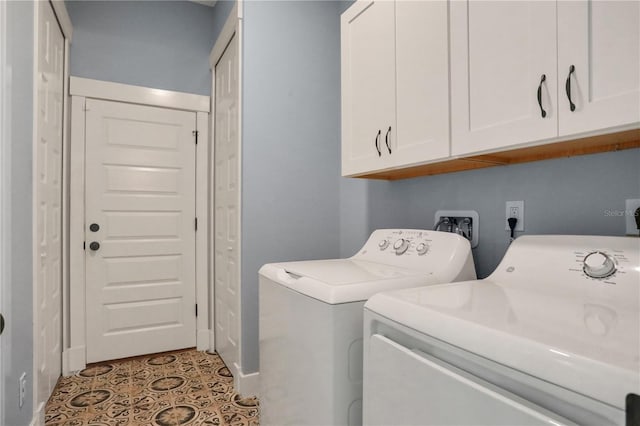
point(383, 244)
point(598, 265)
point(422, 249)
point(400, 246)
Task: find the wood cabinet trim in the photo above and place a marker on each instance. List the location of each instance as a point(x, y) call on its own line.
point(628, 139)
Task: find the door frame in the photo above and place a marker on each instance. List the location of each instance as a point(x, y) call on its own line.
point(246, 384)
point(74, 350)
point(66, 27)
point(5, 201)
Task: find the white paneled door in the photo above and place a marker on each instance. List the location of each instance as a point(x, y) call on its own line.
point(48, 201)
point(227, 205)
point(140, 233)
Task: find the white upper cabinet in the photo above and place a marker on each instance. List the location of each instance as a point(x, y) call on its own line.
point(422, 82)
point(431, 86)
point(395, 85)
point(368, 84)
point(599, 63)
point(503, 74)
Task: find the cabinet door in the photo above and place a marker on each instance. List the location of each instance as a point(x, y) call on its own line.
point(499, 52)
point(601, 40)
point(368, 85)
point(422, 82)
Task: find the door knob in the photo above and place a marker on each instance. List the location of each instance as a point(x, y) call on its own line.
point(94, 227)
point(94, 245)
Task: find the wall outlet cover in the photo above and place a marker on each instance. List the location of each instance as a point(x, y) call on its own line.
point(510, 207)
point(630, 207)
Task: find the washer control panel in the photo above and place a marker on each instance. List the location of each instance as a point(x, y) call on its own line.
point(416, 249)
point(406, 242)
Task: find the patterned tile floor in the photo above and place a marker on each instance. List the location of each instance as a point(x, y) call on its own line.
point(174, 388)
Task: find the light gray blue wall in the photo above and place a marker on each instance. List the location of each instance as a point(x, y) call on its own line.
point(354, 200)
point(17, 340)
point(221, 12)
point(160, 44)
point(291, 143)
point(563, 196)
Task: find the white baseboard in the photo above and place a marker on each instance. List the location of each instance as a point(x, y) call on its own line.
point(74, 359)
point(203, 341)
point(212, 341)
point(246, 384)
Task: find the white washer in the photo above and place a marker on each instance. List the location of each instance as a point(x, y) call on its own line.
point(311, 320)
point(551, 337)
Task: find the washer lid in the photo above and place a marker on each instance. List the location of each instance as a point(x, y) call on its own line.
point(582, 341)
point(343, 280)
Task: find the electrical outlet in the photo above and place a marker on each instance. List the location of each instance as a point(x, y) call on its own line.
point(630, 207)
point(22, 385)
point(515, 209)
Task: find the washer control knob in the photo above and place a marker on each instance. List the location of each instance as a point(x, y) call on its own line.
point(598, 265)
point(401, 246)
point(383, 244)
point(422, 249)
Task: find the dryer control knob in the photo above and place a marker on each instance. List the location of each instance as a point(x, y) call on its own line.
point(598, 265)
point(383, 244)
point(401, 246)
point(422, 249)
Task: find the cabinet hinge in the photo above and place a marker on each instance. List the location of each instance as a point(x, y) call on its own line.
point(196, 309)
point(195, 223)
point(195, 134)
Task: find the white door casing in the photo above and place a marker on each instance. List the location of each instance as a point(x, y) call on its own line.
point(140, 191)
point(4, 192)
point(227, 206)
point(48, 204)
point(601, 40)
point(84, 90)
point(499, 53)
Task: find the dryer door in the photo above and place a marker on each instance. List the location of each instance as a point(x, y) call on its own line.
point(409, 387)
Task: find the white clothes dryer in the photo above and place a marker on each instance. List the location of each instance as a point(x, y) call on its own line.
point(311, 317)
point(551, 337)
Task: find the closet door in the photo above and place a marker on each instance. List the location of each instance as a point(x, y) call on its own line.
point(48, 204)
point(500, 51)
point(422, 82)
point(368, 85)
point(599, 57)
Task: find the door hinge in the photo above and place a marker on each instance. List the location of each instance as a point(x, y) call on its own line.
point(84, 245)
point(196, 309)
point(195, 134)
point(195, 223)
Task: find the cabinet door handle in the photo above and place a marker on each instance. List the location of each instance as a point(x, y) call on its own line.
point(378, 143)
point(542, 80)
point(386, 139)
point(567, 86)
